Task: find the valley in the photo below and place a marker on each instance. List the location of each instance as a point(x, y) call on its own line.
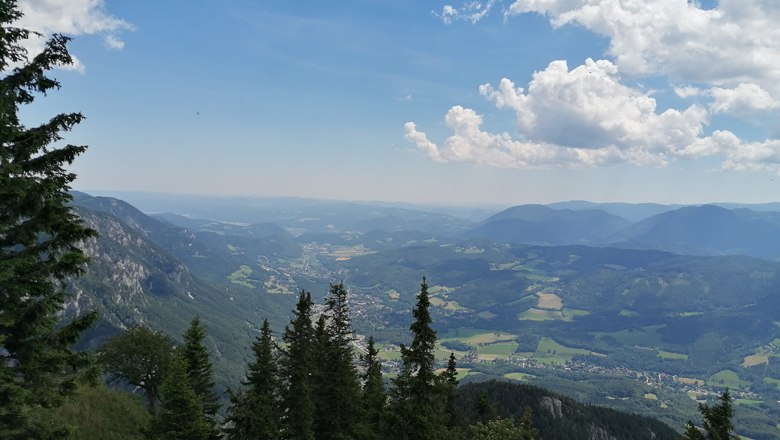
point(640, 330)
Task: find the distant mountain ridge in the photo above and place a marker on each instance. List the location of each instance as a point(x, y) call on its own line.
point(686, 230)
point(539, 224)
point(707, 230)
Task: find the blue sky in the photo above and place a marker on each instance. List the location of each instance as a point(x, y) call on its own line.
point(458, 102)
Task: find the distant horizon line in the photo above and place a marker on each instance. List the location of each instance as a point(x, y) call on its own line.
point(463, 204)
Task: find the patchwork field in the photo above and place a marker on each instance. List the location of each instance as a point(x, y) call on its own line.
point(671, 355)
point(241, 277)
point(344, 253)
point(519, 376)
point(535, 314)
point(549, 351)
point(645, 336)
point(549, 301)
point(728, 379)
point(755, 359)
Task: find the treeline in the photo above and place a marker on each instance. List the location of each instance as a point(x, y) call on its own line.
point(312, 383)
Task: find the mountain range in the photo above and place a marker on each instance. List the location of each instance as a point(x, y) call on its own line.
point(539, 286)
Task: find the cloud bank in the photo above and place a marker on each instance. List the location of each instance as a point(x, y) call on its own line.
point(726, 58)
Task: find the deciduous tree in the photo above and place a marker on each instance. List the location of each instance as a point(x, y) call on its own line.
point(140, 357)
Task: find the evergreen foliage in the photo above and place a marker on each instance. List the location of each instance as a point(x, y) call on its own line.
point(200, 370)
point(417, 407)
point(140, 357)
point(373, 393)
point(554, 416)
point(717, 423)
point(449, 383)
point(337, 388)
point(39, 236)
point(254, 412)
point(296, 365)
point(181, 415)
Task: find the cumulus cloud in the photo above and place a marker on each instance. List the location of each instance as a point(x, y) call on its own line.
point(749, 156)
point(727, 57)
point(470, 143)
point(746, 98)
point(588, 107)
point(70, 17)
point(731, 44)
point(586, 117)
point(472, 12)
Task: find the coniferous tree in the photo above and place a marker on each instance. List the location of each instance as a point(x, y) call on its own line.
point(717, 421)
point(319, 375)
point(373, 393)
point(449, 379)
point(39, 235)
point(417, 411)
point(486, 409)
point(296, 365)
point(338, 388)
point(200, 371)
point(529, 431)
point(181, 414)
point(254, 412)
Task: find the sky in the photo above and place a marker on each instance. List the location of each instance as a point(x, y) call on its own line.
point(459, 102)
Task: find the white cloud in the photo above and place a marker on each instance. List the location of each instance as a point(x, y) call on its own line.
point(746, 98)
point(114, 43)
point(749, 156)
point(69, 17)
point(470, 144)
point(422, 142)
point(687, 91)
point(588, 107)
point(586, 117)
point(473, 11)
point(727, 57)
point(732, 44)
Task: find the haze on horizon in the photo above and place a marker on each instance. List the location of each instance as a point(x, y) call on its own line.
point(502, 102)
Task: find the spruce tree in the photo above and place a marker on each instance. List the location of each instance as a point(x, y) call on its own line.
point(449, 383)
point(373, 393)
point(254, 412)
point(417, 411)
point(39, 237)
point(296, 365)
point(337, 387)
point(529, 431)
point(717, 423)
point(181, 415)
point(200, 371)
